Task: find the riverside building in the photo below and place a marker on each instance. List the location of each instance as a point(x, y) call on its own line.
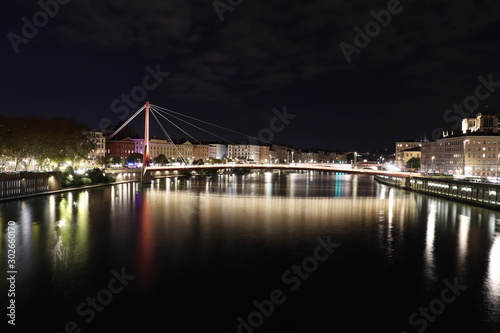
point(473, 151)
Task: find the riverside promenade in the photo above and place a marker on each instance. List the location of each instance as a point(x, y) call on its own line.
point(480, 194)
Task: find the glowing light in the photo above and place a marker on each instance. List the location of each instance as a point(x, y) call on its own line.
point(392, 167)
point(429, 240)
point(463, 234)
point(61, 222)
point(493, 280)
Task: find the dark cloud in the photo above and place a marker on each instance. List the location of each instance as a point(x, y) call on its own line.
point(270, 53)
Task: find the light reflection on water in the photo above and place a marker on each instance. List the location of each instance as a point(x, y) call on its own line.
point(429, 242)
point(176, 226)
point(493, 279)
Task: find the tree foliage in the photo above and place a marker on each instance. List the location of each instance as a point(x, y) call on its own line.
point(413, 163)
point(30, 138)
point(134, 158)
point(95, 176)
point(198, 162)
point(113, 160)
point(161, 159)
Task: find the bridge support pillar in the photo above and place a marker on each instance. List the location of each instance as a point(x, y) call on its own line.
point(408, 183)
point(145, 176)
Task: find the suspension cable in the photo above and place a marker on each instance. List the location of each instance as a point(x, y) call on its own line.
point(187, 122)
point(169, 139)
point(180, 129)
point(126, 123)
point(208, 123)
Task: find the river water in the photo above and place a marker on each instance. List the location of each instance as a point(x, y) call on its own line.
point(265, 252)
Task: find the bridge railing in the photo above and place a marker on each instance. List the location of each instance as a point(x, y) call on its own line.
point(293, 166)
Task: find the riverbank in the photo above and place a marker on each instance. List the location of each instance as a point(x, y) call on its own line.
point(479, 194)
point(77, 188)
point(63, 190)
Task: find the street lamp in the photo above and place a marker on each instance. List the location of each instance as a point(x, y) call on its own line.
point(432, 164)
point(355, 160)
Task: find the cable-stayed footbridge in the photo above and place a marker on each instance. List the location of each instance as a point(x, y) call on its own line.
point(159, 112)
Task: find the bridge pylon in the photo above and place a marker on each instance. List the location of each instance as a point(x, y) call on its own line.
point(145, 174)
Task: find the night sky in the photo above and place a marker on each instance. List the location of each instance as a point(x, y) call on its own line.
point(263, 55)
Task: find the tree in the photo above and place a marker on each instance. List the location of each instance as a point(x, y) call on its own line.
point(115, 160)
point(24, 139)
point(161, 159)
point(97, 176)
point(413, 163)
point(135, 158)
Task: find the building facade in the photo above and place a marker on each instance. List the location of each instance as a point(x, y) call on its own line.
point(341, 158)
point(120, 148)
point(264, 154)
point(401, 146)
point(217, 151)
point(469, 155)
point(158, 147)
point(474, 151)
point(200, 152)
point(408, 154)
point(309, 157)
point(97, 155)
point(244, 152)
point(280, 154)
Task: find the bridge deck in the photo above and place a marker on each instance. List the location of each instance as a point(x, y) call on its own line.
point(309, 167)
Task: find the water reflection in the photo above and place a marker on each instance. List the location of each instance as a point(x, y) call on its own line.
point(70, 224)
point(162, 231)
point(493, 279)
point(430, 267)
point(390, 220)
point(145, 256)
point(463, 240)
